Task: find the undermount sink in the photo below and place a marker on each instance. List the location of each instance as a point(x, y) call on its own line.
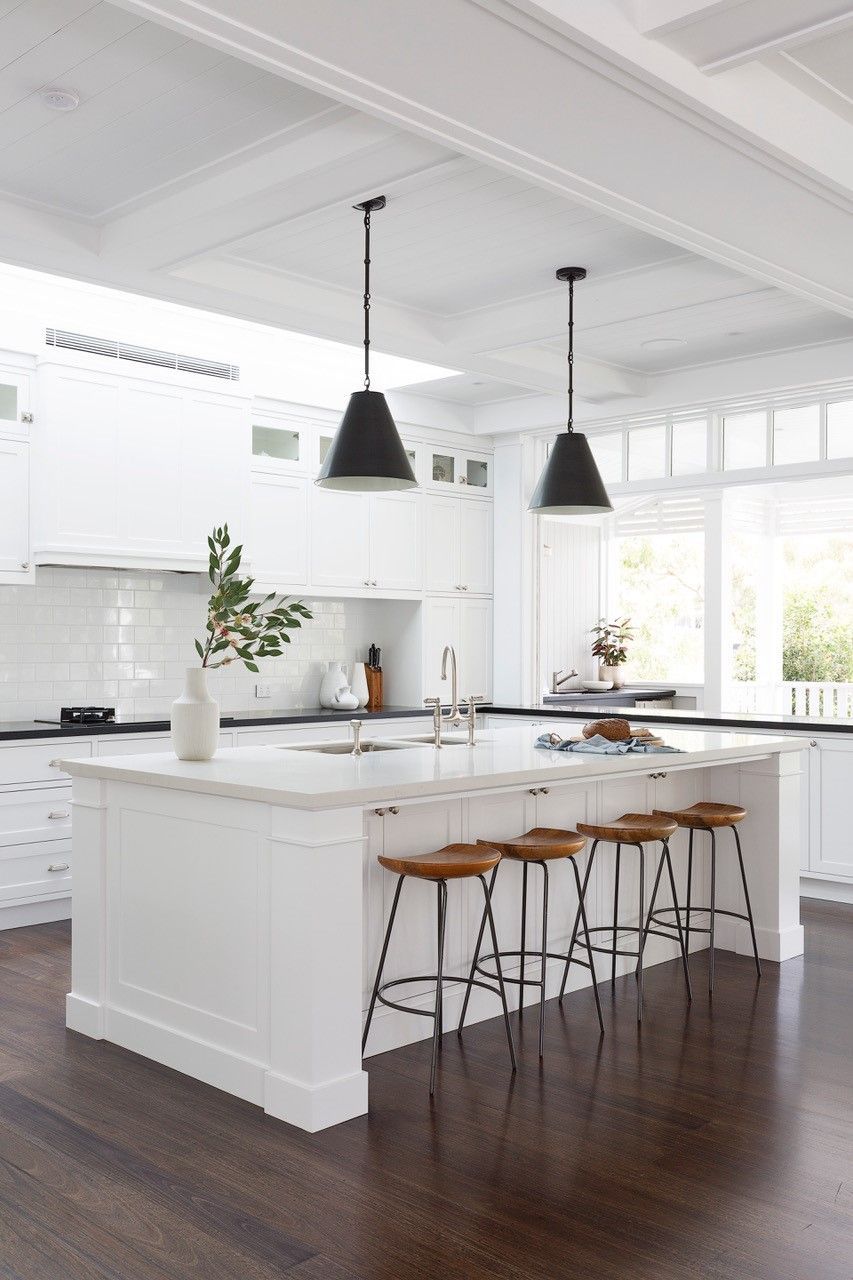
point(345, 748)
point(447, 739)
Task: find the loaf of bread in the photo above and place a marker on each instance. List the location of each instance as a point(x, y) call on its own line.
point(614, 728)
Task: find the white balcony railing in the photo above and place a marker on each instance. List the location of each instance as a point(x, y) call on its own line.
point(799, 698)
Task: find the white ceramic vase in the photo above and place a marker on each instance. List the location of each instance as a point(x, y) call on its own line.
point(615, 674)
point(333, 684)
point(359, 683)
point(195, 719)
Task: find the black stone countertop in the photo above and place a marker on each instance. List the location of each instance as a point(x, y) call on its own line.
point(11, 730)
point(688, 719)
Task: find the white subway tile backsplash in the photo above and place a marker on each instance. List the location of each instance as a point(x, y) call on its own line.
point(124, 639)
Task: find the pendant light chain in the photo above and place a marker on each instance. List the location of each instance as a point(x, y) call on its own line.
point(571, 352)
point(367, 299)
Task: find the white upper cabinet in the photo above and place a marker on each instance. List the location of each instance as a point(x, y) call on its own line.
point(458, 545)
point(340, 539)
point(365, 542)
point(395, 543)
point(280, 442)
point(131, 471)
point(14, 509)
point(277, 546)
point(15, 413)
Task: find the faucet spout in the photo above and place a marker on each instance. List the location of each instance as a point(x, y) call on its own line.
point(450, 652)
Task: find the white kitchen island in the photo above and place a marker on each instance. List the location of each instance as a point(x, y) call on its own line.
point(227, 916)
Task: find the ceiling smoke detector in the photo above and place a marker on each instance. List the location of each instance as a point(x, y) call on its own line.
point(663, 344)
point(60, 99)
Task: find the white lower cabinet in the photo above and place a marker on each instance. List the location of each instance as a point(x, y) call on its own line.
point(467, 626)
point(830, 783)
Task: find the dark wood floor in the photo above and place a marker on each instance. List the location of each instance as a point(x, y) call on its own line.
point(714, 1146)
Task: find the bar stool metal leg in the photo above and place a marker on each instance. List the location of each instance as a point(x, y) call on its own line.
point(436, 1030)
point(689, 885)
point(615, 914)
point(544, 867)
point(487, 891)
point(381, 966)
point(485, 917)
point(522, 944)
point(748, 903)
point(681, 938)
point(589, 955)
point(581, 898)
point(713, 911)
point(640, 935)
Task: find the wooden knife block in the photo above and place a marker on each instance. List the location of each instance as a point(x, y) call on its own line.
point(374, 688)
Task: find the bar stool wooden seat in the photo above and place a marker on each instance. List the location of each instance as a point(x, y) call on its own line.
point(539, 847)
point(453, 862)
point(635, 830)
point(708, 816)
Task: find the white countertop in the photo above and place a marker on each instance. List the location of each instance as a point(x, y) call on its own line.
point(505, 758)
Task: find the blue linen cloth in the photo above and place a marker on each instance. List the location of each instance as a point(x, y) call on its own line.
point(599, 746)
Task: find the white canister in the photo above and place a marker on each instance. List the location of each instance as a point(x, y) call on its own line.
point(359, 683)
point(195, 718)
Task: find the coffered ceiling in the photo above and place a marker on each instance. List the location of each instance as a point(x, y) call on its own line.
point(667, 145)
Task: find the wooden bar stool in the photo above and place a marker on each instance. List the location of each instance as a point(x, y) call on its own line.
point(636, 830)
point(454, 862)
point(538, 847)
point(711, 817)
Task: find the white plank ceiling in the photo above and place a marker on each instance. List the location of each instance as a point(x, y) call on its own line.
point(192, 173)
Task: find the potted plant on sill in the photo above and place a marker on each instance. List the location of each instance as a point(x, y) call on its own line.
point(611, 648)
point(238, 630)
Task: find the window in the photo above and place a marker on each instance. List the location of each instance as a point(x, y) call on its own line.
point(647, 453)
point(607, 451)
point(689, 447)
point(839, 429)
point(744, 441)
point(659, 567)
point(796, 435)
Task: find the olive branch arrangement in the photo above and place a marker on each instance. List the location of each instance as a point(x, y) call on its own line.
point(239, 630)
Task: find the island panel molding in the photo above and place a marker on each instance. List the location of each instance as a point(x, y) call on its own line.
point(269, 913)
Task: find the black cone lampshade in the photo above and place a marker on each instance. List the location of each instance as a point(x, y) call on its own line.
point(367, 454)
point(570, 484)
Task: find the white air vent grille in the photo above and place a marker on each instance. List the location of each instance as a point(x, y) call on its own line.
point(115, 350)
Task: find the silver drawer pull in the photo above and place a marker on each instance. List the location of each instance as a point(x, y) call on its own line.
point(56, 815)
point(53, 764)
point(58, 866)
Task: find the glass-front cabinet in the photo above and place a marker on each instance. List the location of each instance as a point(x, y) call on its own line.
point(15, 415)
point(455, 468)
point(279, 443)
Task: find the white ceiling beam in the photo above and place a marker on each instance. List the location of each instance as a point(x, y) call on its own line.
point(658, 17)
point(636, 151)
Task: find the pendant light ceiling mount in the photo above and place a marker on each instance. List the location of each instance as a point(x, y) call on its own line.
point(367, 454)
point(570, 483)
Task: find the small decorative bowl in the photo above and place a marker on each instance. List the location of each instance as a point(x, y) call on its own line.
point(596, 686)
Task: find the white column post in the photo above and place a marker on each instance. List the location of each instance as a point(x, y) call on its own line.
point(315, 1078)
point(85, 1004)
point(718, 649)
point(515, 603)
point(768, 615)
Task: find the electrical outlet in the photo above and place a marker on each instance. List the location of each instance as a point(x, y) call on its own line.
point(263, 691)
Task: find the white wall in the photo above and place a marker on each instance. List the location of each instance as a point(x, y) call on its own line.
point(569, 587)
point(124, 639)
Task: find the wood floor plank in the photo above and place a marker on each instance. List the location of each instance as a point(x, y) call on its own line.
point(716, 1143)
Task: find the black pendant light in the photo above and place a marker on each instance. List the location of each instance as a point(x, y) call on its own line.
point(570, 483)
point(367, 454)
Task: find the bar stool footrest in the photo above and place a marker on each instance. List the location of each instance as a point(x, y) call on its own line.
point(426, 977)
point(532, 955)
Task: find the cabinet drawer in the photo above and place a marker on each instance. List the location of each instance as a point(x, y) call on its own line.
point(30, 816)
point(43, 869)
point(38, 763)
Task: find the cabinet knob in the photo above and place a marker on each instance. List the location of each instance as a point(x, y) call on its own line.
point(394, 809)
point(813, 742)
point(53, 764)
point(25, 564)
point(533, 791)
point(58, 866)
point(543, 791)
point(380, 813)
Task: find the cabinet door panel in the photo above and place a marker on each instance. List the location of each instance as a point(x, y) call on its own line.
point(442, 543)
point(339, 539)
point(395, 548)
point(475, 571)
point(441, 627)
point(14, 506)
point(832, 765)
point(216, 443)
point(83, 424)
point(564, 808)
point(149, 481)
point(475, 648)
point(278, 550)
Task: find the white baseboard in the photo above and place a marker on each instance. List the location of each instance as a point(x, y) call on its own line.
point(18, 916)
point(827, 890)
